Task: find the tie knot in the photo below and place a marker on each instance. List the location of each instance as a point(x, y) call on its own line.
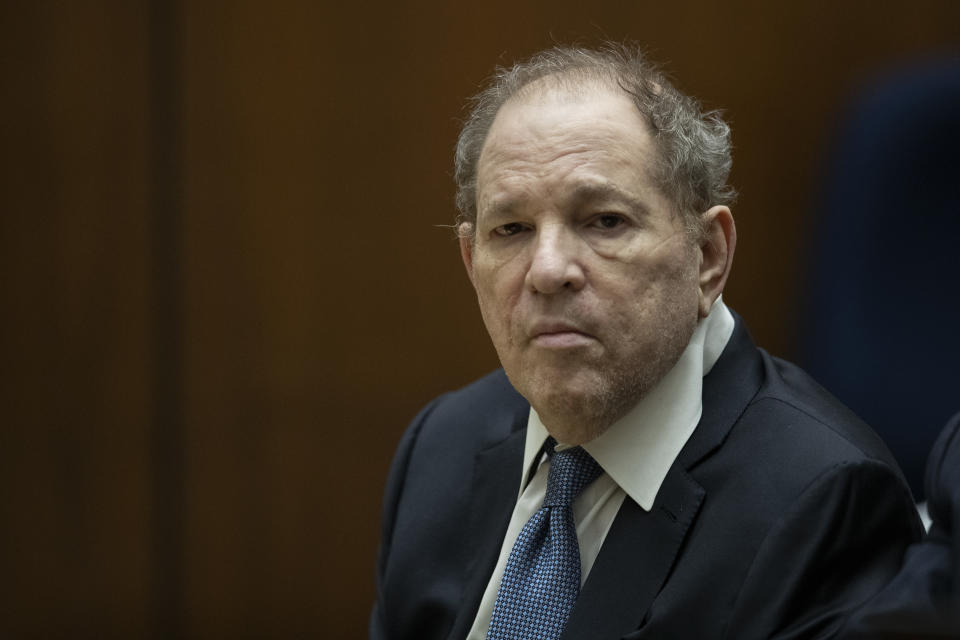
point(570, 471)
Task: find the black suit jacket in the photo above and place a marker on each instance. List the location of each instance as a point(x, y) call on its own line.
point(923, 600)
point(782, 513)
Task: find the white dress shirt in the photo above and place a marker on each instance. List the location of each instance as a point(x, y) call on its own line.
point(635, 453)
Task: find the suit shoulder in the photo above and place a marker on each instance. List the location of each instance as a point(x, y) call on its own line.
point(809, 412)
point(790, 433)
point(485, 411)
point(493, 387)
point(491, 397)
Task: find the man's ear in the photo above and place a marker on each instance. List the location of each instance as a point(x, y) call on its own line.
point(466, 233)
point(716, 250)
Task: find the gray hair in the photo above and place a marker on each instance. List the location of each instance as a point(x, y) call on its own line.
point(693, 146)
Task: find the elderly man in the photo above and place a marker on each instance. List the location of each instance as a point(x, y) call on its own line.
point(638, 468)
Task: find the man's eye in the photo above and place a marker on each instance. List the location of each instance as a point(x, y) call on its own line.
point(509, 229)
point(608, 221)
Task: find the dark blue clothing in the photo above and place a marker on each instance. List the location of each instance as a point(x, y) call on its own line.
point(923, 600)
point(781, 515)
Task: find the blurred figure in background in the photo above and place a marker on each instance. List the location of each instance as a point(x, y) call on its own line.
point(882, 310)
point(883, 317)
point(923, 600)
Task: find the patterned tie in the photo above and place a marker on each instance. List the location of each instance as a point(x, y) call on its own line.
point(542, 578)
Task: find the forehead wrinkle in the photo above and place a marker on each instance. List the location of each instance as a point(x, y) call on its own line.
point(523, 151)
point(528, 128)
point(529, 152)
point(581, 179)
point(532, 146)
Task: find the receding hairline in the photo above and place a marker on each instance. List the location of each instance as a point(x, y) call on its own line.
point(588, 84)
point(580, 82)
point(569, 80)
point(694, 159)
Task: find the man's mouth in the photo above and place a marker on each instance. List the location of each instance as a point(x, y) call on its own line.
point(559, 335)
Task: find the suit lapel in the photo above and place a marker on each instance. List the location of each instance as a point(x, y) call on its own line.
point(494, 488)
point(635, 560)
point(727, 390)
point(641, 548)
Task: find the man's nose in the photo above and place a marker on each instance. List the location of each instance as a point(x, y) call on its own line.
point(555, 264)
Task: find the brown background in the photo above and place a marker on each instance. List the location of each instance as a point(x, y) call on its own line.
point(226, 290)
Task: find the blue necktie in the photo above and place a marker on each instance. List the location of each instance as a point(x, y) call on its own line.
point(541, 581)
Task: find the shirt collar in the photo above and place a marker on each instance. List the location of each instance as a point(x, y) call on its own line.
point(639, 448)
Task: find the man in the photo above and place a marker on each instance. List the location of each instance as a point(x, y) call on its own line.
point(639, 468)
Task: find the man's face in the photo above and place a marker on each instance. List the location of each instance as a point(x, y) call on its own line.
point(586, 278)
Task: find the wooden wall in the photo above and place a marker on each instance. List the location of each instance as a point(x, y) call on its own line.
point(226, 286)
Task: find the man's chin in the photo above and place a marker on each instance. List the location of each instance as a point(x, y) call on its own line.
point(560, 386)
point(573, 413)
